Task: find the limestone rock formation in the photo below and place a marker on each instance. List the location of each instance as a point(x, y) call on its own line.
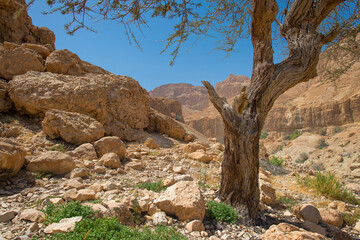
point(12, 157)
point(168, 107)
point(16, 25)
point(110, 145)
point(66, 62)
point(191, 97)
point(183, 199)
point(164, 124)
point(118, 102)
point(51, 162)
point(290, 232)
point(72, 127)
point(18, 60)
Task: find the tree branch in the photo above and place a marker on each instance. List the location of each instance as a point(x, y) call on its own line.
point(230, 117)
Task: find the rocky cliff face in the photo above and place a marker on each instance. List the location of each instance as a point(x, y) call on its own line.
point(169, 107)
point(16, 26)
point(318, 103)
point(192, 98)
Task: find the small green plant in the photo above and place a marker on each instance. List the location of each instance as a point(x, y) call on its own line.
point(295, 134)
point(60, 148)
point(154, 153)
point(279, 148)
point(322, 131)
point(328, 185)
point(322, 143)
point(92, 228)
point(288, 202)
point(222, 212)
point(338, 129)
point(302, 158)
point(264, 134)
point(54, 213)
point(155, 187)
point(351, 218)
point(276, 161)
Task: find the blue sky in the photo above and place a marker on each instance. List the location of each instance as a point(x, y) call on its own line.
point(109, 48)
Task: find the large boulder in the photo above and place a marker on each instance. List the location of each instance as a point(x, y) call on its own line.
point(331, 216)
point(18, 61)
point(168, 107)
point(12, 157)
point(16, 25)
point(118, 102)
point(85, 151)
point(307, 212)
point(52, 162)
point(184, 200)
point(165, 124)
point(110, 145)
point(66, 62)
point(285, 231)
point(74, 128)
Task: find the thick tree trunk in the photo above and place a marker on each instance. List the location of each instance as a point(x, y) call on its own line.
point(240, 169)
point(244, 120)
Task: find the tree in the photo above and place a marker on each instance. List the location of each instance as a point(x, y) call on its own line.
point(303, 26)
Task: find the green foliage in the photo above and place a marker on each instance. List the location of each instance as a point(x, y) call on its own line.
point(323, 131)
point(322, 143)
point(279, 148)
point(60, 148)
point(351, 218)
point(111, 228)
point(276, 161)
point(295, 134)
point(328, 185)
point(288, 202)
point(303, 157)
point(155, 187)
point(222, 212)
point(264, 134)
point(54, 213)
point(92, 228)
point(338, 129)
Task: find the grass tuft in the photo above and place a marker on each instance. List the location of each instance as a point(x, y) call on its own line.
point(276, 161)
point(155, 187)
point(328, 185)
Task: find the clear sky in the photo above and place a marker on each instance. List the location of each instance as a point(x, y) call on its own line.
point(109, 48)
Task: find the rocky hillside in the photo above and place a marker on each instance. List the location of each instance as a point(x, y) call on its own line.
point(83, 155)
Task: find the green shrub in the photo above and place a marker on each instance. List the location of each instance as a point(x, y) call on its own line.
point(351, 218)
point(276, 161)
point(60, 148)
point(328, 185)
point(288, 202)
point(295, 134)
point(338, 129)
point(155, 187)
point(264, 134)
point(92, 228)
point(303, 157)
point(54, 213)
point(323, 131)
point(322, 143)
point(222, 212)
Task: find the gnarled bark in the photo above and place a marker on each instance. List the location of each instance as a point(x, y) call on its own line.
point(240, 167)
